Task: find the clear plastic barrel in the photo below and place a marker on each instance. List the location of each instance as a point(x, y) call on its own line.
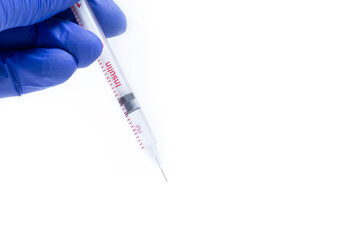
point(118, 83)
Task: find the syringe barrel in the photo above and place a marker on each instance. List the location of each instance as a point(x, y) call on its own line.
point(116, 79)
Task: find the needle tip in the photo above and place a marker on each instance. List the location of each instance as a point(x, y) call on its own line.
point(158, 162)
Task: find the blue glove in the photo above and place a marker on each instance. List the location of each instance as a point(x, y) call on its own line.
point(41, 45)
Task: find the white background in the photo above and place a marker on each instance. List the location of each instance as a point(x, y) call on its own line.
point(256, 108)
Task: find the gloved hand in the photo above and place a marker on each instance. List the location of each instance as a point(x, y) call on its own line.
point(42, 46)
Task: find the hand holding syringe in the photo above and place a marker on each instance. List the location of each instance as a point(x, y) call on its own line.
point(118, 83)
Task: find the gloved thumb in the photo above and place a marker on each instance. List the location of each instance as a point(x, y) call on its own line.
point(18, 13)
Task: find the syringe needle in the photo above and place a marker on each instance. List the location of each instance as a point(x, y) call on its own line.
point(158, 162)
point(163, 174)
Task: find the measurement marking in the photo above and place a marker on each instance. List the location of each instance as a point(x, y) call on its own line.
point(111, 85)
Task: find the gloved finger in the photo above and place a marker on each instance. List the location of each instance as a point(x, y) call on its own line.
point(32, 70)
point(85, 46)
point(16, 13)
point(110, 17)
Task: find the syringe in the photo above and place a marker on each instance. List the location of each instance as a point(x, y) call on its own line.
point(118, 83)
